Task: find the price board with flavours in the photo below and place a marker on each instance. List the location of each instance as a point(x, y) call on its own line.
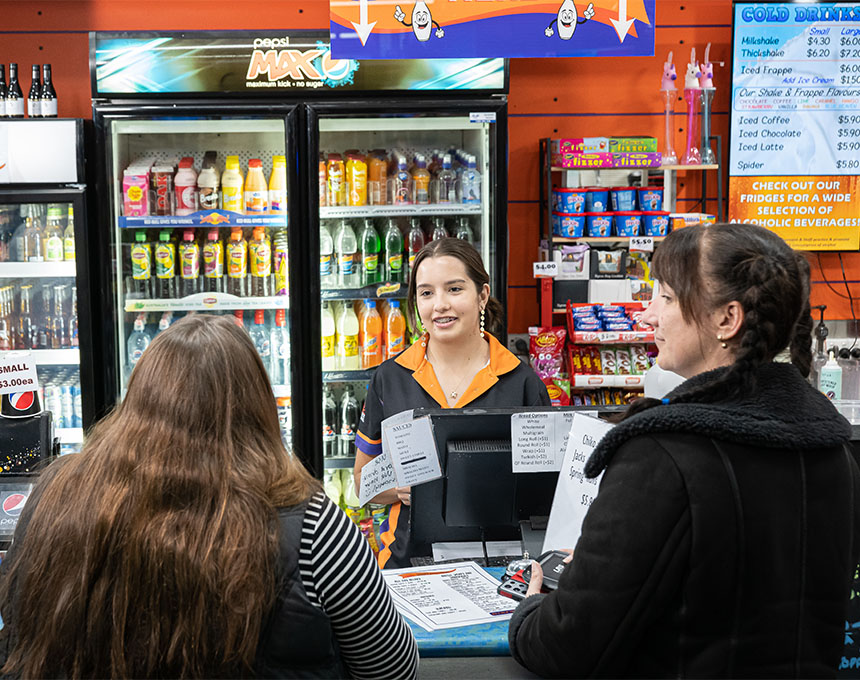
point(795, 121)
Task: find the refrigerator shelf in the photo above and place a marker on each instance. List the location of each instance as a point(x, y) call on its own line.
point(55, 357)
point(338, 462)
point(374, 290)
point(70, 435)
point(412, 210)
point(207, 301)
point(203, 218)
point(347, 376)
point(28, 270)
point(282, 390)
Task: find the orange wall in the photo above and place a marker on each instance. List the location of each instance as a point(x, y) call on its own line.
point(549, 97)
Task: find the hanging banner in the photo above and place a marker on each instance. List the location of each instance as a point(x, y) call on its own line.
point(795, 128)
point(434, 29)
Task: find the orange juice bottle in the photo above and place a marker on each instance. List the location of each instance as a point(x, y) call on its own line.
point(256, 189)
point(377, 177)
point(356, 180)
point(336, 185)
point(323, 182)
point(395, 330)
point(371, 327)
point(420, 181)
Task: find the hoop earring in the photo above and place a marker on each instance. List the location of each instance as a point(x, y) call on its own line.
point(482, 322)
point(723, 344)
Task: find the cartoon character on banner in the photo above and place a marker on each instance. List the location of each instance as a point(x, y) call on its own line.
point(421, 21)
point(568, 19)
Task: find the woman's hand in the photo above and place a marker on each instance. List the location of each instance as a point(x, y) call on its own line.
point(404, 494)
point(536, 579)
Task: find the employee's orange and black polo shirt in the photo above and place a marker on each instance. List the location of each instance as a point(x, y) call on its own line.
point(408, 381)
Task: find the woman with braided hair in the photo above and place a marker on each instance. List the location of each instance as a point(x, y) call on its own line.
point(724, 537)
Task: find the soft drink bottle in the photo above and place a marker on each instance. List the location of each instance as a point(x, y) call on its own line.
point(439, 230)
point(463, 230)
point(331, 427)
point(53, 240)
point(420, 181)
point(347, 339)
point(237, 263)
point(371, 349)
point(349, 415)
point(346, 247)
point(323, 182)
point(138, 341)
point(189, 259)
point(327, 263)
point(260, 257)
point(329, 338)
point(260, 337)
point(446, 182)
point(69, 235)
point(414, 241)
point(336, 180)
point(239, 318)
point(279, 343)
point(281, 262)
point(395, 330)
point(141, 266)
point(213, 263)
point(393, 266)
point(73, 320)
point(165, 321)
point(370, 247)
point(165, 266)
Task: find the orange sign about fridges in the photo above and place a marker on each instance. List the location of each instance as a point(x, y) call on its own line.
point(810, 213)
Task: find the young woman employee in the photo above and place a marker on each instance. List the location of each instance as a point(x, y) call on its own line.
point(456, 363)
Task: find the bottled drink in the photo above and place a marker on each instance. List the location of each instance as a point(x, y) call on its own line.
point(69, 236)
point(420, 181)
point(260, 259)
point(470, 184)
point(59, 332)
point(346, 247)
point(377, 177)
point(189, 259)
point(327, 264)
point(356, 180)
point(161, 179)
point(279, 342)
point(393, 253)
point(34, 97)
point(54, 234)
point(49, 94)
point(237, 263)
point(401, 182)
point(165, 266)
point(463, 230)
point(165, 321)
point(3, 90)
point(232, 186)
point(370, 247)
point(414, 241)
point(371, 323)
point(239, 318)
point(395, 330)
point(347, 339)
point(260, 337)
point(33, 241)
point(26, 337)
point(138, 341)
point(335, 180)
point(44, 329)
point(141, 266)
point(323, 182)
point(439, 230)
point(256, 189)
point(213, 263)
point(281, 262)
point(350, 411)
point(14, 95)
point(278, 186)
point(446, 182)
point(331, 427)
point(329, 338)
point(73, 320)
point(185, 186)
point(6, 341)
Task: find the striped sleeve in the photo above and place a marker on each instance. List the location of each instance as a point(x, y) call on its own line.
point(340, 576)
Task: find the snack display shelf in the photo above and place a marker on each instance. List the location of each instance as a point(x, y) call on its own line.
point(610, 337)
point(408, 210)
point(282, 390)
point(202, 218)
point(337, 462)
point(374, 290)
point(54, 357)
point(29, 270)
point(597, 381)
point(70, 435)
point(206, 301)
point(347, 376)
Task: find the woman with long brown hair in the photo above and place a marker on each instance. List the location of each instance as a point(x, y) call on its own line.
point(185, 541)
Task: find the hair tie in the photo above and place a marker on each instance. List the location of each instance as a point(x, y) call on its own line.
point(665, 400)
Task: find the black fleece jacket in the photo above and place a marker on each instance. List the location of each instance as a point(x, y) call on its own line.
point(722, 543)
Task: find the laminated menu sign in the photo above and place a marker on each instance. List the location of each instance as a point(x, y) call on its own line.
point(795, 122)
point(411, 448)
point(539, 440)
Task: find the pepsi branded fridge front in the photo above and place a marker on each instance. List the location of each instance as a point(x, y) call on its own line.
point(161, 98)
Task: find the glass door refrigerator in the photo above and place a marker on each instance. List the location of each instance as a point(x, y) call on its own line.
point(44, 277)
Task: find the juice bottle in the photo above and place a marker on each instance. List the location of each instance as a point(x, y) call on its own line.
point(377, 177)
point(278, 186)
point(369, 242)
point(393, 253)
point(360, 309)
point(213, 263)
point(356, 180)
point(329, 338)
point(141, 266)
point(165, 266)
point(260, 259)
point(232, 185)
point(347, 340)
point(189, 258)
point(256, 189)
point(323, 182)
point(336, 180)
point(237, 263)
point(185, 187)
point(414, 241)
point(420, 181)
point(281, 262)
point(395, 330)
point(371, 350)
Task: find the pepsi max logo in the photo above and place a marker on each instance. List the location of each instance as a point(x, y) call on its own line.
point(21, 401)
point(13, 504)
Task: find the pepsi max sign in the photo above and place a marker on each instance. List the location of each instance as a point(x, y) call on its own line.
point(13, 504)
point(13, 498)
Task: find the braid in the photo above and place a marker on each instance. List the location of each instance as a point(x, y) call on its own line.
point(801, 341)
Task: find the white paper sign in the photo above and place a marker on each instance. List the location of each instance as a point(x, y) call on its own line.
point(548, 268)
point(18, 373)
point(388, 423)
point(377, 476)
point(643, 244)
point(412, 450)
point(574, 492)
point(539, 440)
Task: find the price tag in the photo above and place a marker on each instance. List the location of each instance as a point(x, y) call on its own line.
point(548, 269)
point(644, 244)
point(18, 373)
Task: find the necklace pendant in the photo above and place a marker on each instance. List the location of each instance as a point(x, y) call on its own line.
point(453, 395)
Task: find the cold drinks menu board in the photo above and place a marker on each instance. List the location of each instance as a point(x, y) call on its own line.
point(795, 122)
